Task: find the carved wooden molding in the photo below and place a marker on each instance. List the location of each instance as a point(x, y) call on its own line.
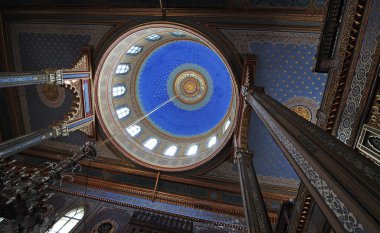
point(151, 210)
point(328, 40)
point(300, 211)
point(339, 79)
point(162, 196)
point(245, 109)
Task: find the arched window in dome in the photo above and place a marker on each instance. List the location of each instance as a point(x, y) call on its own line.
point(133, 130)
point(151, 143)
point(226, 125)
point(178, 33)
point(122, 68)
point(192, 150)
point(122, 112)
point(118, 90)
point(171, 150)
point(154, 37)
point(135, 49)
point(211, 141)
point(67, 222)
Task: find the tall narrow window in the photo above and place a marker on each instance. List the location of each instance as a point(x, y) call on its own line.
point(171, 150)
point(192, 150)
point(178, 33)
point(68, 221)
point(133, 130)
point(118, 90)
point(211, 141)
point(135, 49)
point(154, 37)
point(226, 125)
point(122, 68)
point(122, 112)
point(151, 143)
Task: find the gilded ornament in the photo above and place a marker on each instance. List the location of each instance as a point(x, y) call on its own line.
point(302, 111)
point(190, 87)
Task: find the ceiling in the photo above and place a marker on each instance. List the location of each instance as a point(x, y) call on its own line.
point(165, 98)
point(179, 3)
point(282, 43)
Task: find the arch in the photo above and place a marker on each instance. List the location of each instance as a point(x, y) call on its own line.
point(75, 104)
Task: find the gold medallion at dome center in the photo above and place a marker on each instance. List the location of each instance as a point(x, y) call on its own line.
point(190, 87)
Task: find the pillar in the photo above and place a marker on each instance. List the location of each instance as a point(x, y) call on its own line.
point(344, 183)
point(24, 142)
point(19, 79)
point(253, 202)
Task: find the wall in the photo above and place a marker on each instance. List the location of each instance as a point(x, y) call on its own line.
point(97, 212)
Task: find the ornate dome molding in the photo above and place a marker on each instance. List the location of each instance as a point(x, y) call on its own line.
point(149, 110)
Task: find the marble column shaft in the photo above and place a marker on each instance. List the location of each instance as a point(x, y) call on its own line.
point(21, 79)
point(13, 146)
point(344, 183)
point(253, 202)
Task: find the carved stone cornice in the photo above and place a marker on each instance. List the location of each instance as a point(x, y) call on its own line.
point(345, 47)
point(363, 76)
point(328, 40)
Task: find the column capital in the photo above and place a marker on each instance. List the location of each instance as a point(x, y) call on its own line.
point(60, 129)
point(55, 76)
point(243, 156)
point(246, 90)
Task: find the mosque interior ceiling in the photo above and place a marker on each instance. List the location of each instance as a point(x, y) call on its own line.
point(285, 45)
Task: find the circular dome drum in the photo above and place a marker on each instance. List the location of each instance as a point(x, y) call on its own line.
point(165, 97)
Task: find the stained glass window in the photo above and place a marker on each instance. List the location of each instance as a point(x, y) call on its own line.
point(211, 141)
point(151, 143)
point(135, 49)
point(171, 150)
point(178, 33)
point(122, 112)
point(192, 150)
point(226, 125)
point(154, 37)
point(122, 68)
point(66, 223)
point(118, 90)
point(133, 130)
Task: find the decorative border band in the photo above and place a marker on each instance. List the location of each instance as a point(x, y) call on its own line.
point(343, 214)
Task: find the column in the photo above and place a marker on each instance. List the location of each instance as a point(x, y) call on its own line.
point(19, 79)
point(254, 206)
point(344, 183)
point(24, 142)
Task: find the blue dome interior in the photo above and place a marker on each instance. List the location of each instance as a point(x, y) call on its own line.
point(152, 91)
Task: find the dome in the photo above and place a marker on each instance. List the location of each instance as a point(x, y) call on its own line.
point(165, 97)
